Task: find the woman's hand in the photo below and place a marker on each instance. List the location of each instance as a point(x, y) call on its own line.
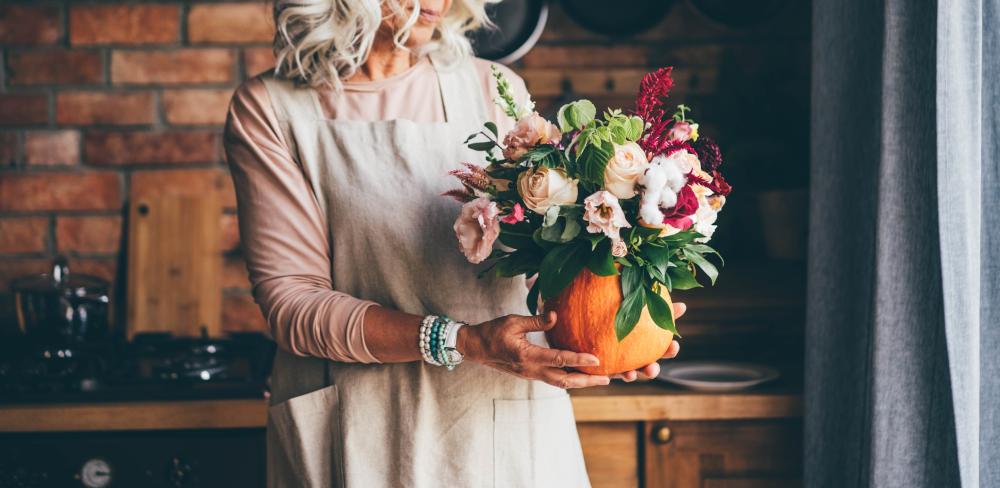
point(653, 370)
point(501, 343)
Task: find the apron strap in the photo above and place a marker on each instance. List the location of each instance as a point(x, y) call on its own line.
point(461, 93)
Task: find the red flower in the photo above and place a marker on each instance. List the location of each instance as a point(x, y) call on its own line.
point(653, 92)
point(719, 184)
point(687, 205)
point(516, 215)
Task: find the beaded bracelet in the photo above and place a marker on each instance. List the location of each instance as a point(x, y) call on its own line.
point(435, 332)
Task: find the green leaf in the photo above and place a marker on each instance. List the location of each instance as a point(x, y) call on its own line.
point(592, 162)
point(635, 127)
point(705, 249)
point(659, 311)
point(658, 255)
point(682, 279)
point(594, 239)
point(703, 263)
point(522, 261)
point(576, 115)
point(490, 126)
point(601, 262)
point(631, 280)
point(629, 313)
point(561, 223)
point(517, 236)
point(533, 298)
point(560, 266)
point(482, 146)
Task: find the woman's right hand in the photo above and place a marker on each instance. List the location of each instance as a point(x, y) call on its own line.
point(502, 344)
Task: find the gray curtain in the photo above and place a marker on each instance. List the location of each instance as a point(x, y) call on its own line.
point(902, 357)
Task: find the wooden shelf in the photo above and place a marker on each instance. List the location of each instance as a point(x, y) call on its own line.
point(653, 401)
point(615, 403)
point(213, 414)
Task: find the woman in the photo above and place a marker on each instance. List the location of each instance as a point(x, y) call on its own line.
point(339, 158)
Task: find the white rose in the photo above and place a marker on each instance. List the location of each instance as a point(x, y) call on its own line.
point(544, 187)
point(626, 166)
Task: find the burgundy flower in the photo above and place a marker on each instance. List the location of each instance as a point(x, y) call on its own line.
point(687, 205)
point(653, 92)
point(709, 154)
point(719, 184)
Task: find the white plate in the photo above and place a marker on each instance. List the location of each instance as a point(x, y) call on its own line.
point(715, 375)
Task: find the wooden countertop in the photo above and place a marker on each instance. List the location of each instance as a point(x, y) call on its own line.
point(615, 403)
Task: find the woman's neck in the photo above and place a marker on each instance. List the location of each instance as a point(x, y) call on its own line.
point(385, 60)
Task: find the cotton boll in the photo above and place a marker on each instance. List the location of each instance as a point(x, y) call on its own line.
point(653, 183)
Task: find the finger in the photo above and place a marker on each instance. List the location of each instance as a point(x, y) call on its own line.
point(679, 309)
point(673, 350)
point(559, 358)
point(565, 379)
point(541, 322)
point(649, 371)
point(628, 376)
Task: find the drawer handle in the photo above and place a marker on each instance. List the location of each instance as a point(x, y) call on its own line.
point(662, 434)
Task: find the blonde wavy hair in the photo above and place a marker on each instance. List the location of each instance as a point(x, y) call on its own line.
point(321, 42)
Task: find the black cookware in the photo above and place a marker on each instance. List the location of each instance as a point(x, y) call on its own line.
point(62, 308)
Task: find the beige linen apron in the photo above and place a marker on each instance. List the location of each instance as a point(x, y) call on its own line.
point(407, 425)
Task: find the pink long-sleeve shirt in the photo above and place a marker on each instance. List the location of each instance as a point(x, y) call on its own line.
point(282, 227)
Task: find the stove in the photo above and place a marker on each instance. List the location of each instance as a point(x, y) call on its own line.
point(152, 367)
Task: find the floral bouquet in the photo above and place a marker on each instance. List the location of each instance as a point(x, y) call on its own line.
point(611, 213)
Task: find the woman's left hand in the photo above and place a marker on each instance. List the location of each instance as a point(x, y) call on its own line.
point(652, 370)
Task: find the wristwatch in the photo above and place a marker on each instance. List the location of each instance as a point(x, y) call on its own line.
point(452, 355)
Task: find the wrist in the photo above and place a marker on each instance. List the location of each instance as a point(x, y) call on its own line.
point(470, 342)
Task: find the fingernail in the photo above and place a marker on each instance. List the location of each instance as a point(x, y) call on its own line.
point(606, 381)
point(592, 361)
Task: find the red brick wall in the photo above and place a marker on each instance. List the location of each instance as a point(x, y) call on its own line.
point(103, 100)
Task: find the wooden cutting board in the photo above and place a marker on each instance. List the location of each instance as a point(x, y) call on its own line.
point(174, 265)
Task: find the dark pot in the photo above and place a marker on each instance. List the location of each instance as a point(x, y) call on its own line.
point(58, 307)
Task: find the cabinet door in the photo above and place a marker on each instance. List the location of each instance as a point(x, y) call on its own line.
point(611, 451)
point(729, 454)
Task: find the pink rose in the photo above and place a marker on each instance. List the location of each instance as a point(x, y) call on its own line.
point(516, 215)
point(684, 131)
point(477, 228)
point(619, 249)
point(530, 131)
point(603, 214)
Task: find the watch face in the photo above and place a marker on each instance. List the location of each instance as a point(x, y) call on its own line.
point(454, 357)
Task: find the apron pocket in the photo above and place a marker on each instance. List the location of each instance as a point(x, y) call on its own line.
point(307, 428)
point(535, 444)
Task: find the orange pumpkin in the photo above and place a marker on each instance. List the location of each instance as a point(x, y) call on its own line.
point(586, 323)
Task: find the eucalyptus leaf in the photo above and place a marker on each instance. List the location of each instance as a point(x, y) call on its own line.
point(576, 115)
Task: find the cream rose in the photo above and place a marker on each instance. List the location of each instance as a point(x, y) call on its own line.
point(530, 131)
point(544, 187)
point(626, 166)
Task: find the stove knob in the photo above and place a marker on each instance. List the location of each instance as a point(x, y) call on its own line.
point(179, 473)
point(95, 473)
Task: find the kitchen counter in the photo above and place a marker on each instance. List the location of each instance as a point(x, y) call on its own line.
point(615, 403)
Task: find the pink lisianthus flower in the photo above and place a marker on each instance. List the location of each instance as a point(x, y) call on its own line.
point(530, 131)
point(604, 215)
point(477, 228)
point(683, 131)
point(516, 215)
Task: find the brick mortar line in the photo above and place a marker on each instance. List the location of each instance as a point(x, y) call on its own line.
point(8, 214)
